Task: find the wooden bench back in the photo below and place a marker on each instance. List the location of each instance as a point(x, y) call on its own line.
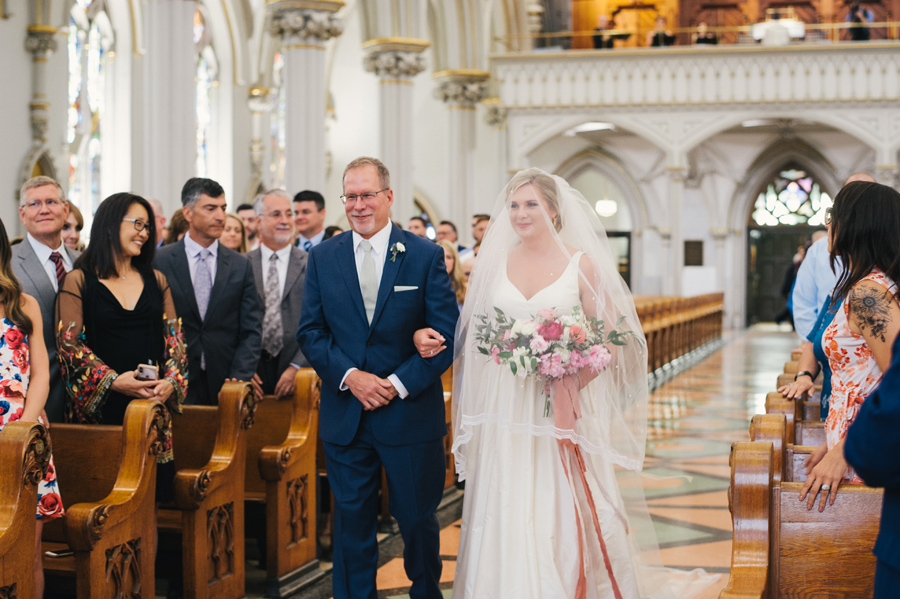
point(24, 457)
point(271, 424)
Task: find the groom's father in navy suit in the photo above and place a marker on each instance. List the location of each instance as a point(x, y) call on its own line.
point(365, 296)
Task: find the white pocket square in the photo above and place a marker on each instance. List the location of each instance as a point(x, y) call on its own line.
point(405, 288)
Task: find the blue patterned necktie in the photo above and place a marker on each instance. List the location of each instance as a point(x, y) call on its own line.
point(307, 245)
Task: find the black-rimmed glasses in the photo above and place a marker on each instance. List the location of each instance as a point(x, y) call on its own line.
point(139, 225)
point(365, 197)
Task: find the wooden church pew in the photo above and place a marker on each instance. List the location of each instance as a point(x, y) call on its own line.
point(107, 480)
point(281, 480)
point(210, 446)
point(24, 458)
point(781, 549)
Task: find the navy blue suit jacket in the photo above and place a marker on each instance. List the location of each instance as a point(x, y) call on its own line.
point(336, 336)
point(873, 449)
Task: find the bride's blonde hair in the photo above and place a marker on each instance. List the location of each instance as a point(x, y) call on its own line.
point(544, 184)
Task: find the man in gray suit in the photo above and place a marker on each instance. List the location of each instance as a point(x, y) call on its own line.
point(279, 269)
point(40, 262)
point(215, 296)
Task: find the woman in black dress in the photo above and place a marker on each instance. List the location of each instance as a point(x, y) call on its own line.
point(115, 313)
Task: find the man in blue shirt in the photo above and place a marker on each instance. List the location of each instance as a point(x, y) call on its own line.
point(309, 219)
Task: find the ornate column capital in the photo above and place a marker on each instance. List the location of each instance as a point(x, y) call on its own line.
point(304, 19)
point(677, 174)
point(259, 99)
point(41, 41)
point(394, 57)
point(461, 87)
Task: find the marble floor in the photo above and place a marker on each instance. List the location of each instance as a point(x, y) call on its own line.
point(694, 418)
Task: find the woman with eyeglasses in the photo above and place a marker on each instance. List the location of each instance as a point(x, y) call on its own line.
point(119, 337)
point(864, 232)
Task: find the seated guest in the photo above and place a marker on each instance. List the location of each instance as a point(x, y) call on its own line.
point(25, 382)
point(331, 232)
point(454, 269)
point(871, 448)
point(418, 227)
point(309, 219)
point(178, 226)
point(71, 231)
point(864, 232)
point(279, 269)
point(214, 294)
point(119, 335)
point(660, 36)
point(40, 263)
point(234, 236)
point(703, 36)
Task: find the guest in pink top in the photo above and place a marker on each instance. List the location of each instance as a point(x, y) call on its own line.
point(864, 232)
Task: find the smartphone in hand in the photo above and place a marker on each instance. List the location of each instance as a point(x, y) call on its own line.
point(147, 372)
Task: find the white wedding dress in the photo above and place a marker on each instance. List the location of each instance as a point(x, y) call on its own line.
point(520, 528)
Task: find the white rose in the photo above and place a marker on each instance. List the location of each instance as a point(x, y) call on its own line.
point(400, 247)
point(517, 327)
point(564, 355)
point(528, 329)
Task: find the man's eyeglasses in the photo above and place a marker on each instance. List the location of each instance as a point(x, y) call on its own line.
point(51, 204)
point(365, 197)
point(139, 225)
point(828, 216)
point(277, 215)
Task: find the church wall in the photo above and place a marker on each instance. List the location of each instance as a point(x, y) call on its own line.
point(16, 130)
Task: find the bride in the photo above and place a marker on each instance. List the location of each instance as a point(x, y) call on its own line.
point(553, 503)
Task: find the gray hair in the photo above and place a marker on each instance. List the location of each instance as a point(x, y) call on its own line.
point(40, 182)
point(383, 175)
point(259, 205)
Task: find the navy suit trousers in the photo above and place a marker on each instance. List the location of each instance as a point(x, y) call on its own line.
point(415, 476)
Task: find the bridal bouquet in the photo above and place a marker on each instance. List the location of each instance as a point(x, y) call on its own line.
point(548, 345)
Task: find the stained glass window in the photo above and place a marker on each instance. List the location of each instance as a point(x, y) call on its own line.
point(206, 83)
point(277, 125)
point(793, 198)
point(89, 42)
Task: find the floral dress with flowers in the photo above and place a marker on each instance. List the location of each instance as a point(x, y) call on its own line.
point(15, 363)
point(854, 372)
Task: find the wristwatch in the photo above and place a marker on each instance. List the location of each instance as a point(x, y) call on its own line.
point(806, 372)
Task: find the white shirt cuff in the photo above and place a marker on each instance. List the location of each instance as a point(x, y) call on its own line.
point(401, 390)
point(344, 387)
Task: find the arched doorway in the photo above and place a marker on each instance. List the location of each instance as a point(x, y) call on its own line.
point(787, 211)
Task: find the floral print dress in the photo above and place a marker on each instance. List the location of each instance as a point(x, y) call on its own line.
point(854, 372)
point(15, 373)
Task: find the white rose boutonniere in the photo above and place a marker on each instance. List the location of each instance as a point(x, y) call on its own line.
point(397, 248)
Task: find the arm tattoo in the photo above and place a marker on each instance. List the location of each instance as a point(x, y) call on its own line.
point(871, 309)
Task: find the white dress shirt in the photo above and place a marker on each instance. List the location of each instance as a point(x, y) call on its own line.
point(192, 249)
point(315, 239)
point(43, 255)
point(281, 265)
point(379, 243)
point(814, 283)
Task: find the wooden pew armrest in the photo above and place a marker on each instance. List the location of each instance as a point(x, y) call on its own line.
point(145, 420)
point(275, 460)
point(24, 458)
point(237, 405)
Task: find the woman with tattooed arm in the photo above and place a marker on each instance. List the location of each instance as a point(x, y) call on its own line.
point(864, 232)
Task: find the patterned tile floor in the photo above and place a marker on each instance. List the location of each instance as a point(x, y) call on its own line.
point(694, 418)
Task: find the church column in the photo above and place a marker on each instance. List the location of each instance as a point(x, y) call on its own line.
point(672, 281)
point(496, 117)
point(259, 100)
point(461, 90)
point(396, 61)
point(169, 99)
point(719, 236)
point(304, 31)
point(41, 43)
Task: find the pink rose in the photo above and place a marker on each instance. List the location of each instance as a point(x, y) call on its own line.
point(547, 314)
point(539, 344)
point(551, 367)
point(577, 334)
point(599, 358)
point(551, 330)
point(496, 353)
point(20, 357)
point(14, 338)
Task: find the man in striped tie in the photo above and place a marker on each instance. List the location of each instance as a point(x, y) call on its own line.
point(309, 219)
point(40, 262)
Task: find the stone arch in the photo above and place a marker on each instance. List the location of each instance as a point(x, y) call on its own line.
point(39, 161)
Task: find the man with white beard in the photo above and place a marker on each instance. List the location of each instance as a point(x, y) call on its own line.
point(279, 269)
